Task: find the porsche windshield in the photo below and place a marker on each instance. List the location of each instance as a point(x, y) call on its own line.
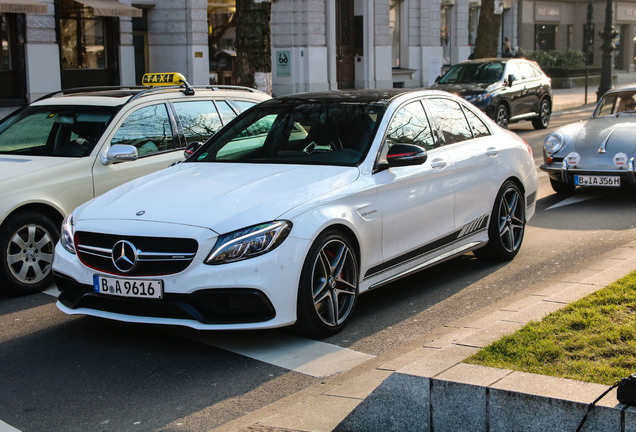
point(62, 130)
point(337, 133)
point(485, 73)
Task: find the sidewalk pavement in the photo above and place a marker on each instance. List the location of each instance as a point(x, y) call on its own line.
point(575, 97)
point(424, 385)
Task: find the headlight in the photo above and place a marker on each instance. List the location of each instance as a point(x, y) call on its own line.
point(477, 98)
point(248, 242)
point(68, 231)
point(553, 143)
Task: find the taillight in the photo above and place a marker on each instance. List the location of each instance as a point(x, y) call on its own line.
point(529, 148)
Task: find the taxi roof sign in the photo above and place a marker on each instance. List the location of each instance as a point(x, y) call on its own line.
point(163, 79)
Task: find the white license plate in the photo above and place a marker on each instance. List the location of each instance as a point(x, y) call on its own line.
point(584, 180)
point(137, 288)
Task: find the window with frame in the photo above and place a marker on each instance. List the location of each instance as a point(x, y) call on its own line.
point(410, 125)
point(82, 37)
point(395, 30)
point(477, 125)
point(450, 120)
point(445, 30)
point(199, 119)
point(5, 44)
point(148, 129)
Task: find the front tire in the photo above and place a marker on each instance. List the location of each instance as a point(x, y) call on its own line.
point(328, 287)
point(507, 225)
point(543, 120)
point(502, 117)
point(27, 245)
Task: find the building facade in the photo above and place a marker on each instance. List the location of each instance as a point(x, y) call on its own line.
point(48, 45)
point(545, 25)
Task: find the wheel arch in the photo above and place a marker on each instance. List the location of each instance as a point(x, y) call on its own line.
point(49, 211)
point(349, 234)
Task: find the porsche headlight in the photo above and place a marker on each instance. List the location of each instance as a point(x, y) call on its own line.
point(248, 242)
point(68, 231)
point(553, 143)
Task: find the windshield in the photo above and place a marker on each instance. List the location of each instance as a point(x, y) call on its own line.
point(473, 73)
point(296, 133)
point(617, 103)
point(64, 131)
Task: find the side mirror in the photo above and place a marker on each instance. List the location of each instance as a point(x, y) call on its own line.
point(511, 79)
point(119, 153)
point(191, 148)
point(406, 155)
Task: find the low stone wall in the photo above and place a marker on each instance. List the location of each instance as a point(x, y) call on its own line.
point(510, 402)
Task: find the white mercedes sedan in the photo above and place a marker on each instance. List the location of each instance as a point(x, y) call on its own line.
point(295, 208)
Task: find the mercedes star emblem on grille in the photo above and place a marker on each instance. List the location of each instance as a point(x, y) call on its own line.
point(124, 256)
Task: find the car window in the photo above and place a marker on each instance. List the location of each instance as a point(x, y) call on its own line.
point(243, 105)
point(537, 71)
point(64, 131)
point(513, 69)
point(199, 119)
point(227, 113)
point(527, 72)
point(473, 73)
point(148, 129)
point(450, 120)
point(615, 103)
point(311, 133)
point(477, 125)
point(410, 125)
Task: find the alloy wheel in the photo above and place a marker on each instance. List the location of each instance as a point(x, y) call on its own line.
point(334, 282)
point(30, 254)
point(511, 220)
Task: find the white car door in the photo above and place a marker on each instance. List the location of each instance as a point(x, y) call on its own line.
point(474, 156)
point(416, 202)
point(148, 128)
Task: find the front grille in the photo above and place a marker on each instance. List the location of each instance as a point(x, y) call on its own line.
point(155, 256)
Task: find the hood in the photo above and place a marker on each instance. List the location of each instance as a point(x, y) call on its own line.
point(12, 166)
point(465, 89)
point(220, 196)
point(616, 132)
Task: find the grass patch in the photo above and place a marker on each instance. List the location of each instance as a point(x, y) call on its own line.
point(593, 339)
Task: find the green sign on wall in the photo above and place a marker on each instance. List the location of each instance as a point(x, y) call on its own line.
point(283, 66)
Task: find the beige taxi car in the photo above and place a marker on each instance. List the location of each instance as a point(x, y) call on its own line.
point(68, 147)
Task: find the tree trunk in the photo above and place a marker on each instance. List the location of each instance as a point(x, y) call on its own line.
point(253, 44)
point(487, 40)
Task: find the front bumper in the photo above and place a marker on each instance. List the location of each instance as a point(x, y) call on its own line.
point(563, 172)
point(257, 293)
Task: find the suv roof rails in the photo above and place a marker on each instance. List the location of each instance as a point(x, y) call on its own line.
point(143, 90)
point(225, 87)
point(75, 90)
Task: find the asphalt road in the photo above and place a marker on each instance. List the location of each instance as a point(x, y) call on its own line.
point(61, 373)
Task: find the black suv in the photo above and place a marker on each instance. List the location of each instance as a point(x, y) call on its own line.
point(507, 89)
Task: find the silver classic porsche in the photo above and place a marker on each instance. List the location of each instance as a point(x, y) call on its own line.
point(596, 152)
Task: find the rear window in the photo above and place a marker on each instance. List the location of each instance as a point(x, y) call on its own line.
point(62, 131)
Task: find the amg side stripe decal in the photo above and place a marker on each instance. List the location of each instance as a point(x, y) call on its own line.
point(470, 228)
point(473, 226)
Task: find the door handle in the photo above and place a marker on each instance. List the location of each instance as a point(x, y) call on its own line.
point(438, 164)
point(492, 152)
